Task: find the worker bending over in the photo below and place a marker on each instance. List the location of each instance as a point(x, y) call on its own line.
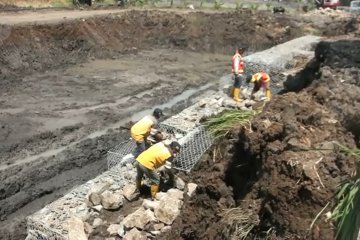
point(153, 158)
point(237, 65)
point(260, 80)
point(141, 130)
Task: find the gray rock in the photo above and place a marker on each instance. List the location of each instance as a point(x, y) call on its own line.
point(160, 195)
point(158, 226)
point(88, 228)
point(148, 204)
point(113, 229)
point(135, 234)
point(121, 230)
point(175, 193)
point(76, 229)
point(191, 189)
point(95, 199)
point(120, 218)
point(229, 103)
point(155, 232)
point(168, 210)
point(131, 193)
point(99, 188)
point(137, 219)
point(165, 229)
point(151, 215)
point(111, 200)
point(179, 183)
point(97, 222)
point(98, 208)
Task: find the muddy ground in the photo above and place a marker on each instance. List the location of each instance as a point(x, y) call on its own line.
point(62, 85)
point(287, 168)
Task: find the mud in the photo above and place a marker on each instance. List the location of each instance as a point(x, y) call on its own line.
point(62, 83)
point(287, 168)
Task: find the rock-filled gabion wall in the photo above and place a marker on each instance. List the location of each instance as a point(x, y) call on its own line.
point(66, 217)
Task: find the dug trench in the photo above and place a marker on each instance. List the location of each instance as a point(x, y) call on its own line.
point(275, 176)
point(62, 82)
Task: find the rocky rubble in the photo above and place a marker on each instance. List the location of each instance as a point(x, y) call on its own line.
point(81, 212)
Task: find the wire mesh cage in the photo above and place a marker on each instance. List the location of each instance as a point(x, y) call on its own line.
point(121, 154)
point(193, 146)
point(124, 152)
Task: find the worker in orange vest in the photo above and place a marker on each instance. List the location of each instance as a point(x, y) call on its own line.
point(260, 80)
point(237, 65)
point(141, 130)
point(152, 159)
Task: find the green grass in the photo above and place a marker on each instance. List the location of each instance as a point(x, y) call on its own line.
point(346, 213)
point(221, 125)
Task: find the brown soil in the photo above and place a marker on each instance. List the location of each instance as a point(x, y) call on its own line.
point(286, 169)
point(62, 81)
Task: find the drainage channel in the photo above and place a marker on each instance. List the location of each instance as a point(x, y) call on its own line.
point(173, 102)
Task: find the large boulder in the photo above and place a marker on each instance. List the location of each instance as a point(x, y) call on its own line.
point(135, 234)
point(111, 201)
point(168, 209)
point(76, 229)
point(137, 219)
point(148, 204)
point(175, 193)
point(113, 229)
point(131, 192)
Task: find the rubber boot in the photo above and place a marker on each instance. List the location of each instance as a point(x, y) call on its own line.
point(268, 94)
point(232, 91)
point(154, 189)
point(139, 184)
point(237, 94)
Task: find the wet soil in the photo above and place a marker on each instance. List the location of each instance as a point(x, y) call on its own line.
point(62, 84)
point(287, 167)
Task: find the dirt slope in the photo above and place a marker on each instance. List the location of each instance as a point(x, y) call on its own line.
point(41, 47)
point(286, 169)
point(61, 82)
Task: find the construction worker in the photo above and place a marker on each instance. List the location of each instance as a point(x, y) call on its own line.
point(141, 130)
point(237, 65)
point(153, 158)
point(260, 80)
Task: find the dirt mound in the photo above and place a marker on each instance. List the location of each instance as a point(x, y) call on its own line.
point(41, 47)
point(287, 168)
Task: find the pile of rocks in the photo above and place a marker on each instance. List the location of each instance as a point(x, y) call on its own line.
point(61, 218)
point(191, 117)
point(80, 212)
point(152, 218)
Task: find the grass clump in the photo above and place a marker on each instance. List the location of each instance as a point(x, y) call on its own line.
point(220, 126)
point(346, 213)
point(236, 223)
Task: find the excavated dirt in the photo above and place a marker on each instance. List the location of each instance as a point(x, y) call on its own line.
point(287, 168)
point(62, 83)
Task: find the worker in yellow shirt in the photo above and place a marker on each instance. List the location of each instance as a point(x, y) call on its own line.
point(141, 130)
point(261, 80)
point(153, 158)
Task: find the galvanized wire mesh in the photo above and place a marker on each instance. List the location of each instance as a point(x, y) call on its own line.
point(193, 146)
point(194, 143)
point(38, 230)
point(117, 155)
point(123, 153)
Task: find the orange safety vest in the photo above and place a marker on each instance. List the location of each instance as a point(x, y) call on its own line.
point(260, 78)
point(141, 129)
point(241, 63)
point(155, 156)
